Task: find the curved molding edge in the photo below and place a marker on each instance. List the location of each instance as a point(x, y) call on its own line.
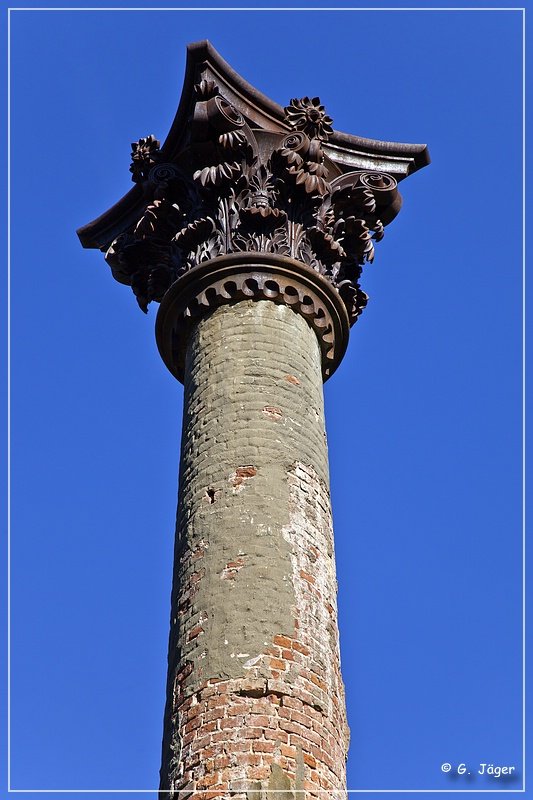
point(251, 276)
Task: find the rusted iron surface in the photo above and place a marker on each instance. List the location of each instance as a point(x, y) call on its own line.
point(240, 174)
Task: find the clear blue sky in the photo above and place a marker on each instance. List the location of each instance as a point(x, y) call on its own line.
point(424, 415)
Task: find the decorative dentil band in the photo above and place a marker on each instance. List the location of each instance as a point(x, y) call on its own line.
point(234, 189)
point(252, 276)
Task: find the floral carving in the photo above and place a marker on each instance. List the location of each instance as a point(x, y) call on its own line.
point(310, 117)
point(228, 193)
point(144, 154)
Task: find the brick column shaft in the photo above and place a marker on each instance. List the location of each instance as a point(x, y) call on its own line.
point(255, 696)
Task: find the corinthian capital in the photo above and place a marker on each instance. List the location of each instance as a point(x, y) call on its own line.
point(240, 174)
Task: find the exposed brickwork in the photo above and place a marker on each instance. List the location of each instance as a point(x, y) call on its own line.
point(255, 696)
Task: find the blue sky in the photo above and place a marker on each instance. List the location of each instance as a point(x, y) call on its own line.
point(424, 415)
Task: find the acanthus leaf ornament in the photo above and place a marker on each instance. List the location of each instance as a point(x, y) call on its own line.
point(279, 203)
point(206, 89)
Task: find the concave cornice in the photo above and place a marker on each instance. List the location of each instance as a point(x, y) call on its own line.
point(346, 151)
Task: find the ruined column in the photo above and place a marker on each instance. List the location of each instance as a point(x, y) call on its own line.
point(250, 226)
point(255, 695)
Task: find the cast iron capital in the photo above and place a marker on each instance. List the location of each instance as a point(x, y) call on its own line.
point(241, 176)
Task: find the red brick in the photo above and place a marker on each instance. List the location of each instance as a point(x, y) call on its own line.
point(261, 705)
point(214, 713)
point(211, 795)
point(231, 722)
point(283, 641)
point(248, 760)
point(296, 741)
point(192, 725)
point(259, 773)
point(292, 727)
point(303, 719)
point(274, 699)
point(240, 708)
point(252, 733)
point(246, 724)
point(193, 711)
point(318, 682)
point(277, 736)
point(255, 688)
point(207, 780)
point(218, 700)
point(311, 736)
point(292, 702)
point(194, 632)
point(288, 752)
point(223, 736)
point(207, 692)
point(258, 720)
point(263, 747)
point(203, 741)
point(240, 747)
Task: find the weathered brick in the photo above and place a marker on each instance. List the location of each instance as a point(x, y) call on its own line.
point(259, 773)
point(302, 719)
point(231, 722)
point(263, 747)
point(288, 752)
point(214, 713)
point(248, 759)
point(283, 641)
point(193, 711)
point(276, 735)
point(258, 720)
point(251, 733)
point(243, 422)
point(243, 746)
point(238, 709)
point(208, 780)
point(287, 655)
point(192, 725)
point(292, 702)
point(319, 682)
point(218, 700)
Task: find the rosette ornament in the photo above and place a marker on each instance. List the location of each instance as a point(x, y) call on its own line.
point(309, 116)
point(144, 154)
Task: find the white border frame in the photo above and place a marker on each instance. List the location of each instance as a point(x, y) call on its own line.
point(274, 8)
